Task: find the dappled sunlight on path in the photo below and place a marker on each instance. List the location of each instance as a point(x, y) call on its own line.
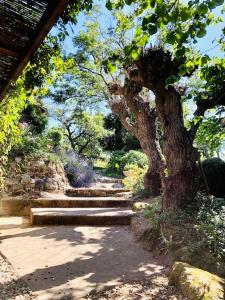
point(73, 261)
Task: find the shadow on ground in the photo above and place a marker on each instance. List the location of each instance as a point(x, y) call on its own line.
point(69, 262)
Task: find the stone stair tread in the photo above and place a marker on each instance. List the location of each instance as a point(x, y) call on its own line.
point(114, 190)
point(82, 211)
point(94, 192)
point(80, 198)
point(81, 216)
point(108, 180)
point(75, 202)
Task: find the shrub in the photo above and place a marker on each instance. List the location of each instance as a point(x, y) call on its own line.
point(201, 226)
point(115, 162)
point(214, 170)
point(134, 179)
point(211, 216)
point(120, 159)
point(78, 170)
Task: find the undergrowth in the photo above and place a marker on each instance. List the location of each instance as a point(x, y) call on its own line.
point(195, 235)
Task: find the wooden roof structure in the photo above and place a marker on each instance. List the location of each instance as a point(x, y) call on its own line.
point(23, 26)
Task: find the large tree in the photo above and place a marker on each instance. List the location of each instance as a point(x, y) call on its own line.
point(161, 68)
point(127, 99)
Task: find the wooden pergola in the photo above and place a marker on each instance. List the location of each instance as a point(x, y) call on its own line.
point(23, 26)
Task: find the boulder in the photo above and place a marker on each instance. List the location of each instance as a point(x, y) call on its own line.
point(197, 284)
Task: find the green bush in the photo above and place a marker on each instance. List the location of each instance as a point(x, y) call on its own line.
point(120, 159)
point(211, 215)
point(134, 180)
point(214, 170)
point(202, 224)
point(115, 162)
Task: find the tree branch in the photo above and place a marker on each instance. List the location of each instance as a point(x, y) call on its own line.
point(119, 107)
point(93, 72)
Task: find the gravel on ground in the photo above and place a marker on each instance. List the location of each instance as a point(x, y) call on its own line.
point(11, 286)
point(156, 288)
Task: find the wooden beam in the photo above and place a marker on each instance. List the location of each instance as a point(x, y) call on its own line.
point(53, 11)
point(8, 52)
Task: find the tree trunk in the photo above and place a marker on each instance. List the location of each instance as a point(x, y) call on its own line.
point(129, 103)
point(181, 183)
point(151, 71)
point(146, 133)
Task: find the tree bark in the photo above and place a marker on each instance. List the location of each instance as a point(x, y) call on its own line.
point(126, 102)
point(180, 184)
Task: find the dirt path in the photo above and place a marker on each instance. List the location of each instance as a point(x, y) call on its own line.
point(69, 262)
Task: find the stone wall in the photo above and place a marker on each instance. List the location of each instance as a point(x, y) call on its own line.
point(31, 176)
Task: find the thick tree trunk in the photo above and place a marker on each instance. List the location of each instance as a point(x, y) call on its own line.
point(129, 102)
point(181, 183)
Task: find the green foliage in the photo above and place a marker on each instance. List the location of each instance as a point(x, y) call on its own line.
point(119, 159)
point(121, 139)
point(134, 179)
point(115, 162)
point(169, 217)
point(35, 116)
point(211, 216)
point(177, 23)
point(203, 222)
point(30, 144)
point(11, 108)
point(56, 137)
point(214, 170)
point(210, 136)
point(134, 157)
point(83, 131)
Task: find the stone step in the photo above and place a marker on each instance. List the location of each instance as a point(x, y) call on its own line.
point(108, 180)
point(123, 195)
point(21, 207)
point(81, 216)
point(94, 192)
point(72, 202)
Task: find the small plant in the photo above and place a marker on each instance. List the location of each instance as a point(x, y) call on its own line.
point(134, 179)
point(211, 216)
point(78, 170)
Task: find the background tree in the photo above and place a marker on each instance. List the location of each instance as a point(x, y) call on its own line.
point(94, 44)
point(83, 131)
point(121, 139)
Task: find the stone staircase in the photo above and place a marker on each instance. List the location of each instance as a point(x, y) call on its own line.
point(85, 206)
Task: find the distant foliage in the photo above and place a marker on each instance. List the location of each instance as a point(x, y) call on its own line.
point(120, 159)
point(36, 117)
point(134, 179)
point(78, 170)
point(121, 139)
point(214, 169)
point(115, 162)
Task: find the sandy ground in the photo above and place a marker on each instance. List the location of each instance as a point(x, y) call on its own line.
point(69, 262)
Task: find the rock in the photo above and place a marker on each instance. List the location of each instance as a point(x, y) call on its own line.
point(25, 179)
point(137, 206)
point(197, 255)
point(22, 180)
point(18, 159)
point(197, 284)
